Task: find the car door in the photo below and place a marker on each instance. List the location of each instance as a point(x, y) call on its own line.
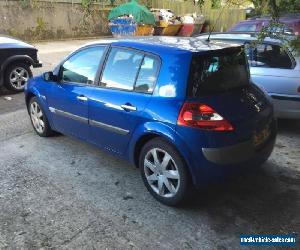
point(68, 98)
point(117, 105)
point(272, 69)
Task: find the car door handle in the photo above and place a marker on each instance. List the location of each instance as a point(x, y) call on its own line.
point(82, 98)
point(128, 107)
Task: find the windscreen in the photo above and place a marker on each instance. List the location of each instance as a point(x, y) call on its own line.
point(218, 72)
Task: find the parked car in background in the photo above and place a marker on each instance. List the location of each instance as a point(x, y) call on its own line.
point(272, 68)
point(16, 58)
point(292, 25)
point(182, 110)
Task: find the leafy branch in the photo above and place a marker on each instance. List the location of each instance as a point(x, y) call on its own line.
point(274, 8)
point(86, 4)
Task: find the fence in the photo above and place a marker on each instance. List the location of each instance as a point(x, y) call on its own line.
point(220, 19)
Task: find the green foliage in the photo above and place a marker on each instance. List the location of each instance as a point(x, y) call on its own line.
point(290, 6)
point(295, 44)
point(40, 23)
point(288, 42)
point(215, 4)
point(274, 9)
point(87, 3)
point(200, 3)
point(25, 3)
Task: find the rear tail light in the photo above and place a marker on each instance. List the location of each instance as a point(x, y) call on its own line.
point(298, 89)
point(202, 116)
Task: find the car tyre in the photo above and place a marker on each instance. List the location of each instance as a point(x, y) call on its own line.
point(164, 172)
point(39, 119)
point(16, 76)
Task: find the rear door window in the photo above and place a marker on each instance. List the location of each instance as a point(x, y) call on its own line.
point(121, 69)
point(147, 75)
point(269, 56)
point(218, 72)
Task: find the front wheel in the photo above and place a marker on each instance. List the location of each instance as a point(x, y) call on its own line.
point(164, 172)
point(16, 76)
point(38, 118)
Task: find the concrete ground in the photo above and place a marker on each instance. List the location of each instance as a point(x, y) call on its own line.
point(60, 193)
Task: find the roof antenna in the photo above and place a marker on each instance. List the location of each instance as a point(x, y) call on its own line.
point(208, 38)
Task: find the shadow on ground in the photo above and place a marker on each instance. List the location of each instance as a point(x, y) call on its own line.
point(4, 91)
point(256, 203)
point(288, 125)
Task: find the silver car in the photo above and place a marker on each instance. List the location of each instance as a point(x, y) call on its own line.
point(274, 70)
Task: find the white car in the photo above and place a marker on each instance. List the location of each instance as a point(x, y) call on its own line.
point(274, 70)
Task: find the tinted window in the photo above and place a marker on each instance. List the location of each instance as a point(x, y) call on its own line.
point(266, 55)
point(218, 72)
point(249, 27)
point(121, 69)
point(147, 75)
point(82, 67)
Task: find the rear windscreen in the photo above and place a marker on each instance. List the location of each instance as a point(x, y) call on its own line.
point(218, 72)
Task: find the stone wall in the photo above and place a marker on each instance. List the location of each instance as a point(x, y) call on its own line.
point(54, 19)
point(37, 20)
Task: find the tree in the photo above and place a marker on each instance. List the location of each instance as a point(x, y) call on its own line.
point(276, 8)
point(273, 8)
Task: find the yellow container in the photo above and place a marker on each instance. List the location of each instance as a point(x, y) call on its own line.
point(171, 30)
point(163, 24)
point(144, 30)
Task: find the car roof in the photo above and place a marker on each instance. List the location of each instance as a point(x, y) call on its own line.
point(8, 42)
point(253, 21)
point(294, 18)
point(238, 36)
point(165, 44)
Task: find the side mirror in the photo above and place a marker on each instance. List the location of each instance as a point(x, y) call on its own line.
point(49, 76)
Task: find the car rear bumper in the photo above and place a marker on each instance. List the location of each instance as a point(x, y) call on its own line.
point(216, 164)
point(238, 153)
point(286, 106)
point(235, 154)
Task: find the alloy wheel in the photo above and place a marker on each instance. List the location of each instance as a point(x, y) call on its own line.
point(18, 78)
point(36, 115)
point(161, 173)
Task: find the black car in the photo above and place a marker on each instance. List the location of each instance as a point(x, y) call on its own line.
point(16, 58)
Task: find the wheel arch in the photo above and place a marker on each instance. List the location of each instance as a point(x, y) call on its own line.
point(148, 132)
point(28, 96)
point(34, 92)
point(140, 144)
point(30, 92)
point(14, 59)
point(17, 58)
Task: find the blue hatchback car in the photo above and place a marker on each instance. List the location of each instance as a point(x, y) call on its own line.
point(180, 109)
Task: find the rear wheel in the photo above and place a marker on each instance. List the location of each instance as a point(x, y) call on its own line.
point(16, 76)
point(164, 172)
point(38, 118)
